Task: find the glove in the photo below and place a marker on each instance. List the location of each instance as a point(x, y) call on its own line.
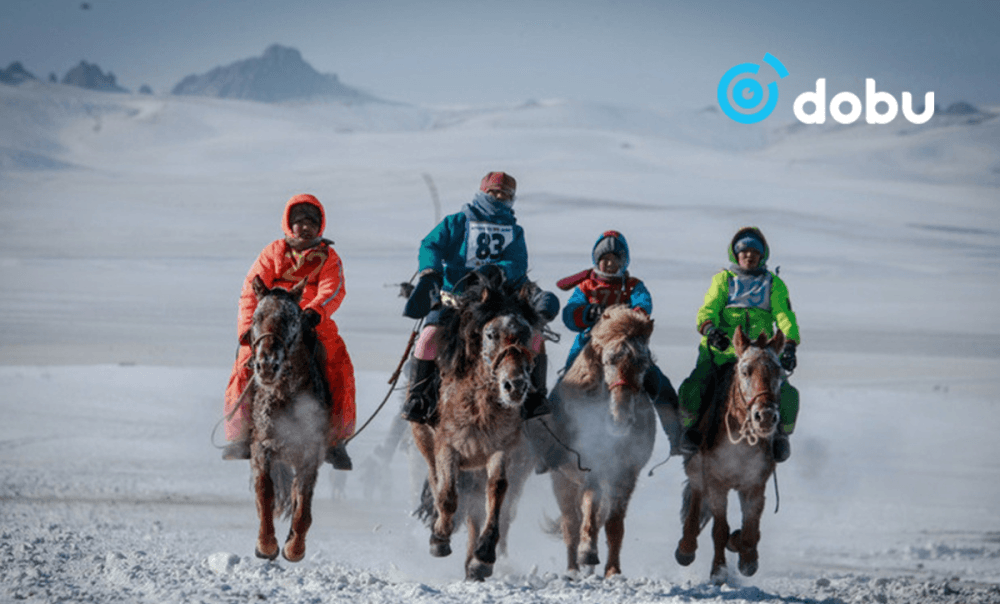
point(718, 339)
point(424, 295)
point(593, 312)
point(787, 357)
point(311, 318)
point(546, 304)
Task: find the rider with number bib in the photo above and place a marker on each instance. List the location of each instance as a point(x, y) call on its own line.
point(752, 297)
point(485, 232)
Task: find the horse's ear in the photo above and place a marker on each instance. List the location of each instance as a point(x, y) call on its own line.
point(296, 292)
point(740, 341)
point(777, 342)
point(259, 289)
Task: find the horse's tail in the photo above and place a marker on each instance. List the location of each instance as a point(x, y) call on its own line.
point(427, 513)
point(706, 514)
point(282, 476)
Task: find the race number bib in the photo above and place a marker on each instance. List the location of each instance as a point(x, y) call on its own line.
point(485, 243)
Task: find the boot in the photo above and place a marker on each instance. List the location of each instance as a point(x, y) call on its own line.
point(690, 441)
point(536, 404)
point(238, 449)
point(780, 447)
point(421, 402)
point(336, 455)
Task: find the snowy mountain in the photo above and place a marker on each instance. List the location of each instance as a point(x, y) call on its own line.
point(89, 76)
point(15, 74)
point(279, 75)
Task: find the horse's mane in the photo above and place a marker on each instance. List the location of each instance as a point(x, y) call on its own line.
point(488, 294)
point(617, 322)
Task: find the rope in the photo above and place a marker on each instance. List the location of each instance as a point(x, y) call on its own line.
point(777, 494)
point(392, 380)
point(579, 459)
point(664, 462)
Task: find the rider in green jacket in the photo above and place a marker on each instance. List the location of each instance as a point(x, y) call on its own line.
point(747, 295)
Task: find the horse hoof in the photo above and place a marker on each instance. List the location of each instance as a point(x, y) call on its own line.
point(264, 556)
point(720, 575)
point(682, 558)
point(589, 558)
point(748, 568)
point(486, 554)
point(733, 544)
point(440, 547)
point(478, 571)
point(293, 554)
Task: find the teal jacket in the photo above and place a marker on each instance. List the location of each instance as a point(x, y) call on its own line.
point(484, 232)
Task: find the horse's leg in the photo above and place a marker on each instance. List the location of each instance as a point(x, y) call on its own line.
point(688, 544)
point(445, 500)
point(569, 499)
point(720, 533)
point(267, 545)
point(474, 569)
point(496, 490)
point(745, 540)
point(302, 494)
point(614, 528)
point(590, 506)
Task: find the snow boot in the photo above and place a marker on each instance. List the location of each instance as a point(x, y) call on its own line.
point(239, 449)
point(780, 447)
point(336, 455)
point(421, 402)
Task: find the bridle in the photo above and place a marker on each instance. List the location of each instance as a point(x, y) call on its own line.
point(747, 431)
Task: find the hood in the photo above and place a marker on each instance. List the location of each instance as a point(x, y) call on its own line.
point(303, 198)
point(611, 241)
point(740, 234)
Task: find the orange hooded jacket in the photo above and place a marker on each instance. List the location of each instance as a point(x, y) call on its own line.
point(280, 265)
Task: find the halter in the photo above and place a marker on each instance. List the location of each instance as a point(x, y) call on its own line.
point(269, 334)
point(503, 353)
point(746, 430)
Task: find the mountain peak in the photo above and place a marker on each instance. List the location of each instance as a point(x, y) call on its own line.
point(280, 74)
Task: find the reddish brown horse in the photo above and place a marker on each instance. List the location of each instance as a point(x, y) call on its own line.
point(735, 455)
point(485, 377)
point(601, 410)
point(290, 418)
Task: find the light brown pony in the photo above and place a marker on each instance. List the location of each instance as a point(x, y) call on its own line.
point(290, 418)
point(735, 455)
point(485, 377)
point(601, 410)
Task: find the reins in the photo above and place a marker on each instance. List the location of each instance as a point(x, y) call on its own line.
point(393, 379)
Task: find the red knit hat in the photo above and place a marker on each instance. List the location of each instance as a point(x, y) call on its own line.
point(498, 181)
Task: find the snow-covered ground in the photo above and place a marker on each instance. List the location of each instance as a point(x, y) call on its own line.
point(128, 224)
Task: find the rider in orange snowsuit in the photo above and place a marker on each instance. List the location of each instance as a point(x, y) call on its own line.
point(302, 254)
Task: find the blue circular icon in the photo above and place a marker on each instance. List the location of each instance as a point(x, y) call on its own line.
point(754, 101)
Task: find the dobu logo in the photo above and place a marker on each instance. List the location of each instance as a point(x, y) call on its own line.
point(743, 98)
point(872, 100)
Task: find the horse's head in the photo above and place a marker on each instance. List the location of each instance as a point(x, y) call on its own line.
point(620, 341)
point(505, 351)
point(276, 327)
point(758, 378)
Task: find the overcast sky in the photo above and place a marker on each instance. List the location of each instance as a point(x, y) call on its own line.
point(640, 52)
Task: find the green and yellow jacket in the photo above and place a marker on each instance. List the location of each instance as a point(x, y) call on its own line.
point(755, 300)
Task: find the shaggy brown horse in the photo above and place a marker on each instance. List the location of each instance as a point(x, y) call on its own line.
point(735, 455)
point(485, 377)
point(290, 418)
point(601, 410)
